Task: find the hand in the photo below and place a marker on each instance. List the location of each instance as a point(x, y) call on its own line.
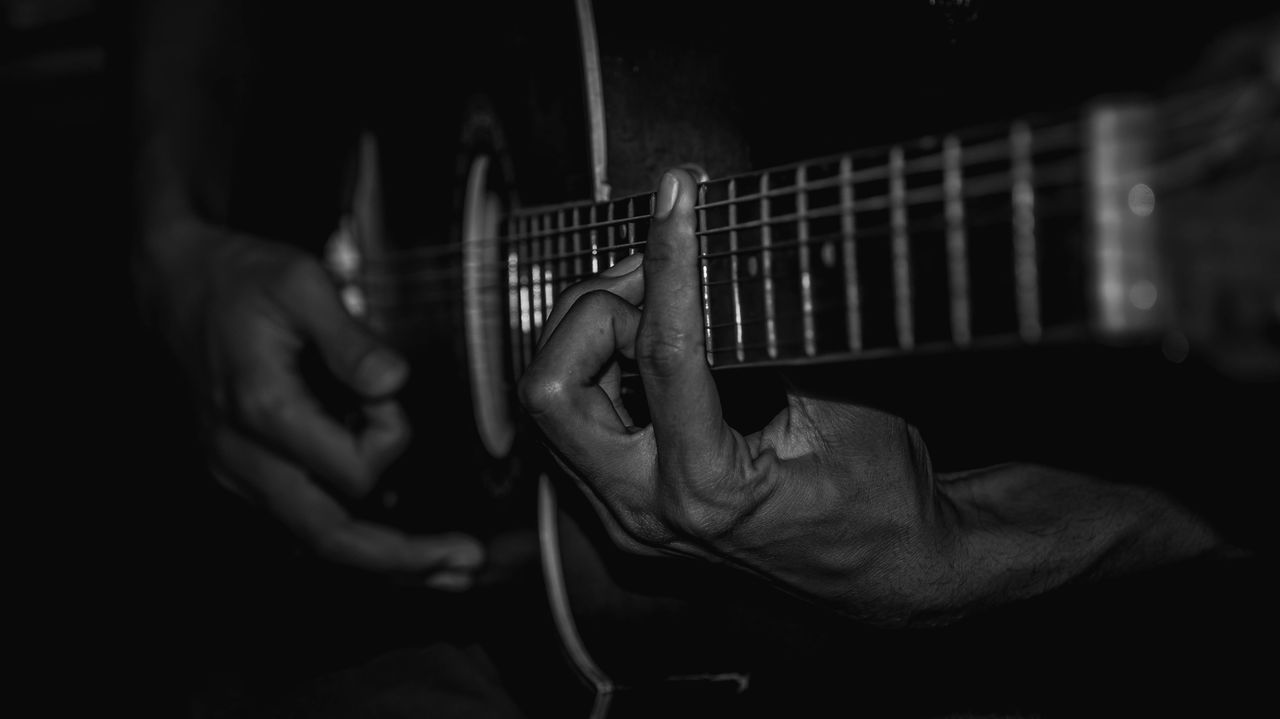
point(240, 312)
point(832, 501)
point(835, 501)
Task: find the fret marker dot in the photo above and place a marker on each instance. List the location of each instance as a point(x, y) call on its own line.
point(829, 254)
point(1143, 295)
point(1142, 200)
point(752, 266)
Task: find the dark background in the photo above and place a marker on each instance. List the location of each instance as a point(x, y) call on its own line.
point(126, 542)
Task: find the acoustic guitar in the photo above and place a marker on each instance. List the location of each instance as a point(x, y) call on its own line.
point(1096, 222)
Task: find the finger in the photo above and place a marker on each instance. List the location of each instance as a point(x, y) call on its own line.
point(350, 350)
point(323, 525)
point(385, 436)
point(624, 279)
point(627, 529)
point(671, 346)
point(561, 389)
point(271, 402)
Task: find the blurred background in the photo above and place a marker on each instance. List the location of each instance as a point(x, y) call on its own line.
point(97, 437)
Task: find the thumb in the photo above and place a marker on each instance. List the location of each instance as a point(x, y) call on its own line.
point(354, 355)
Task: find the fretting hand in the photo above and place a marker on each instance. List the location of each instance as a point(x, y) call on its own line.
point(833, 501)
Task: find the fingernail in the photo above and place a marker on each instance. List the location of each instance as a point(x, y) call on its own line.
point(381, 372)
point(666, 200)
point(624, 266)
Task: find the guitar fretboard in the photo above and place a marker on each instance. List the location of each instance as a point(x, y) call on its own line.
point(946, 242)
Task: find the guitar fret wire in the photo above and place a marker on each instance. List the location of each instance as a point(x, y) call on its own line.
point(595, 242)
point(704, 267)
point(536, 277)
point(901, 251)
point(551, 273)
point(806, 280)
point(734, 272)
point(537, 257)
point(561, 258)
point(848, 226)
point(630, 227)
point(535, 284)
point(957, 260)
point(610, 236)
point(551, 261)
point(526, 311)
point(513, 307)
point(1024, 238)
point(766, 268)
point(577, 244)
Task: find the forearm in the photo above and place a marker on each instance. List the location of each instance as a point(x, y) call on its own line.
point(192, 68)
point(1022, 530)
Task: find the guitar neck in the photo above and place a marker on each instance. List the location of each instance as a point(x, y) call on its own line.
point(1021, 233)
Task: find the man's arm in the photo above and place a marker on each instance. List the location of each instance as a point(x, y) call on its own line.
point(192, 67)
point(832, 501)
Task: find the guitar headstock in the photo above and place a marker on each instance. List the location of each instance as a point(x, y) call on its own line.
point(1218, 183)
point(1186, 210)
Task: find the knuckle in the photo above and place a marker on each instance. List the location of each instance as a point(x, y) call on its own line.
point(641, 532)
point(596, 300)
point(262, 406)
point(356, 483)
point(698, 519)
point(570, 295)
point(327, 544)
point(303, 272)
point(662, 353)
point(542, 391)
point(400, 437)
point(710, 508)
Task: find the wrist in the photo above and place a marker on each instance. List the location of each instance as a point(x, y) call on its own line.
point(172, 265)
point(1024, 530)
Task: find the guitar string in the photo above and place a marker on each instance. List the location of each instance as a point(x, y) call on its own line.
point(1187, 109)
point(407, 300)
point(523, 340)
point(880, 172)
point(1049, 211)
point(1048, 178)
point(1173, 172)
point(982, 220)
